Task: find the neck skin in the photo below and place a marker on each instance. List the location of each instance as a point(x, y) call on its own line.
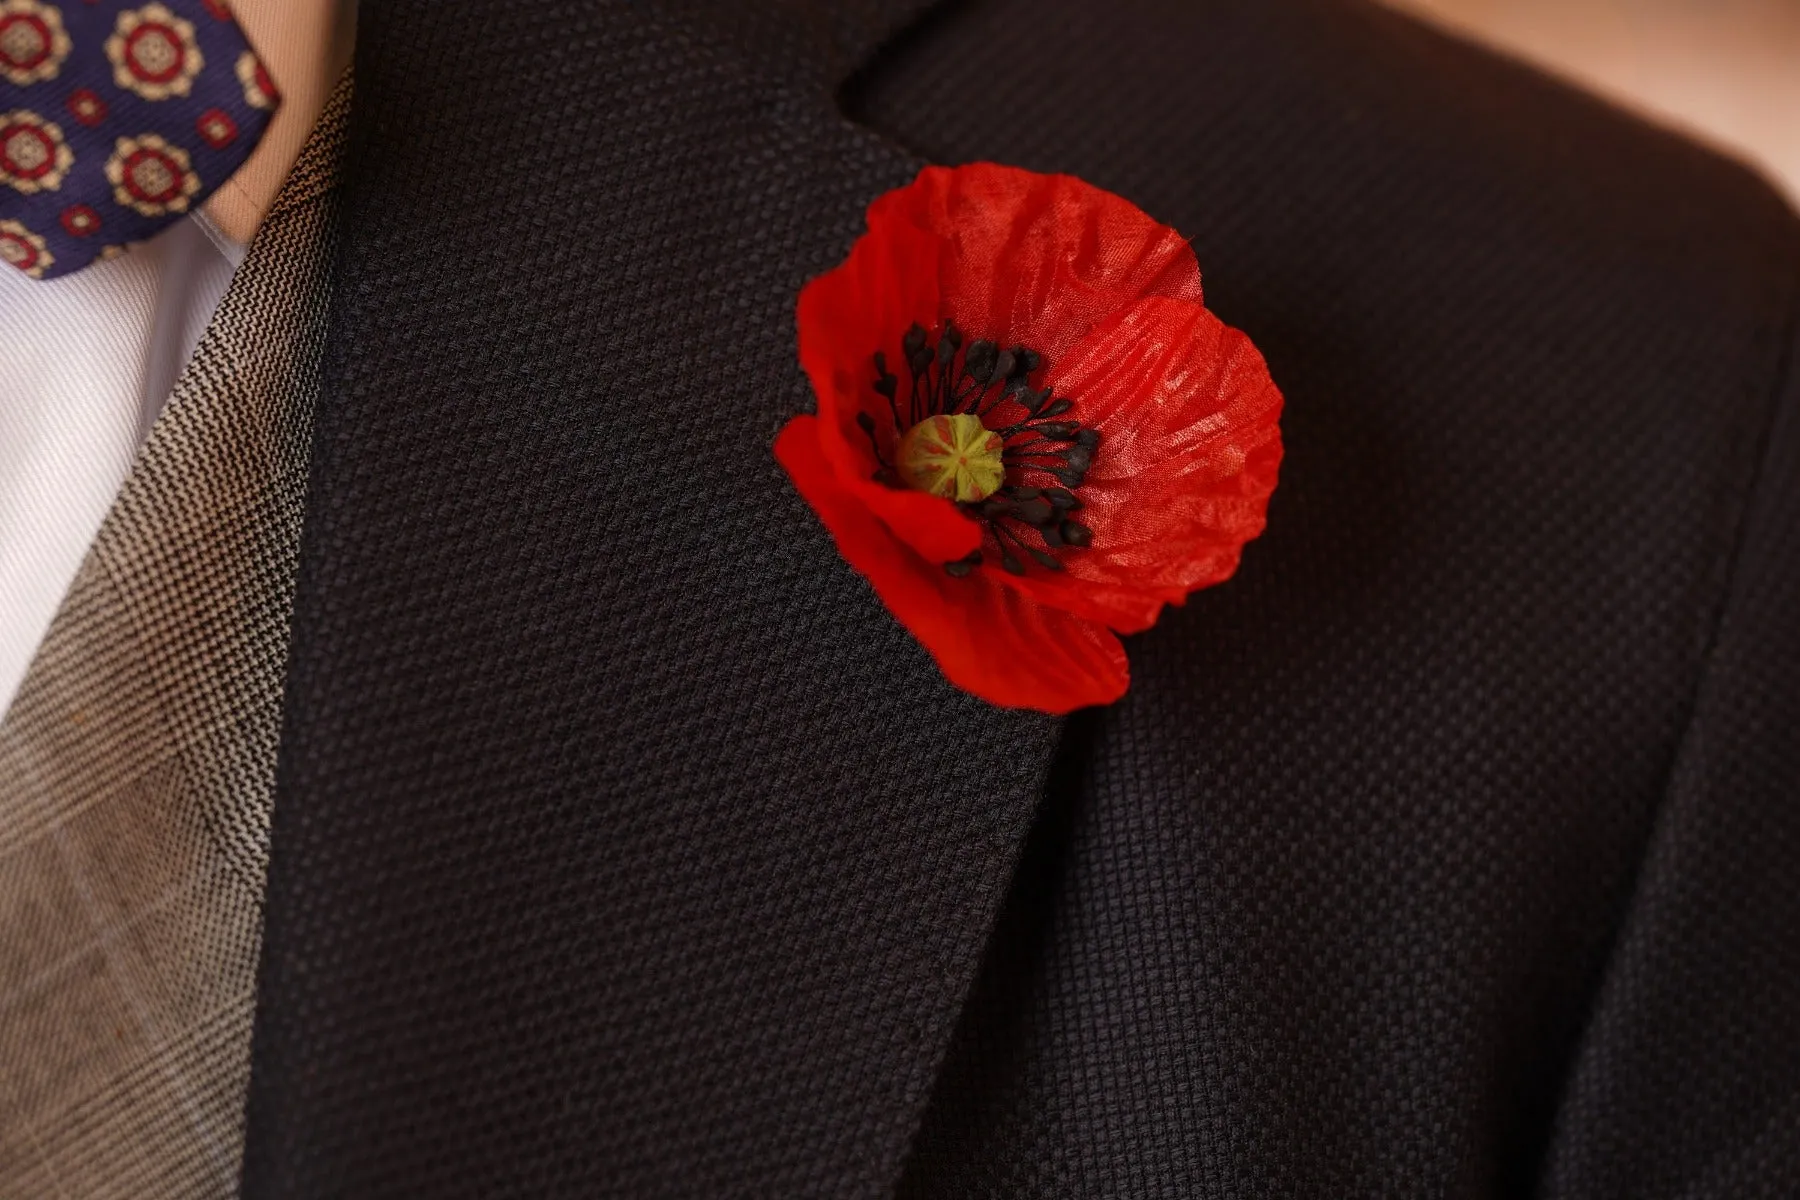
point(305, 44)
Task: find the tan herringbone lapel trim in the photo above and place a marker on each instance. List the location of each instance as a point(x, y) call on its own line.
point(137, 761)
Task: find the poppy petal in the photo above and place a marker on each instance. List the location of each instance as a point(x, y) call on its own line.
point(884, 287)
point(988, 640)
point(1191, 450)
point(1035, 259)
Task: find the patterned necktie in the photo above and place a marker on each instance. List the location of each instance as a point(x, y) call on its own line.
point(116, 119)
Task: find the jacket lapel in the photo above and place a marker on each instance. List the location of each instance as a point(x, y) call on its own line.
point(622, 842)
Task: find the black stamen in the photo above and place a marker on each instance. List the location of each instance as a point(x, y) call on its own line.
point(867, 423)
point(979, 362)
point(1062, 431)
point(1036, 511)
point(986, 378)
point(886, 384)
point(949, 344)
point(913, 341)
point(963, 566)
point(1042, 558)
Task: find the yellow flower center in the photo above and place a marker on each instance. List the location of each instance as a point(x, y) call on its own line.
point(954, 456)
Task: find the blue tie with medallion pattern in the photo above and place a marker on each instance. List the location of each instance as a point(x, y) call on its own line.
point(116, 119)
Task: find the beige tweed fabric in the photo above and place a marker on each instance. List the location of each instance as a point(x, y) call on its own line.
point(137, 762)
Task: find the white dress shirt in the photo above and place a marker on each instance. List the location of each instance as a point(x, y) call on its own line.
point(86, 364)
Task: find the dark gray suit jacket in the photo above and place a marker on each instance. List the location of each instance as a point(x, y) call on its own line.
point(624, 845)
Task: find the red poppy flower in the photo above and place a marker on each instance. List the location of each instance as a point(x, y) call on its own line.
point(1031, 434)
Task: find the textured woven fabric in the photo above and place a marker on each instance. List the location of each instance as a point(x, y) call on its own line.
point(619, 844)
point(624, 846)
point(136, 765)
point(1448, 851)
point(117, 118)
